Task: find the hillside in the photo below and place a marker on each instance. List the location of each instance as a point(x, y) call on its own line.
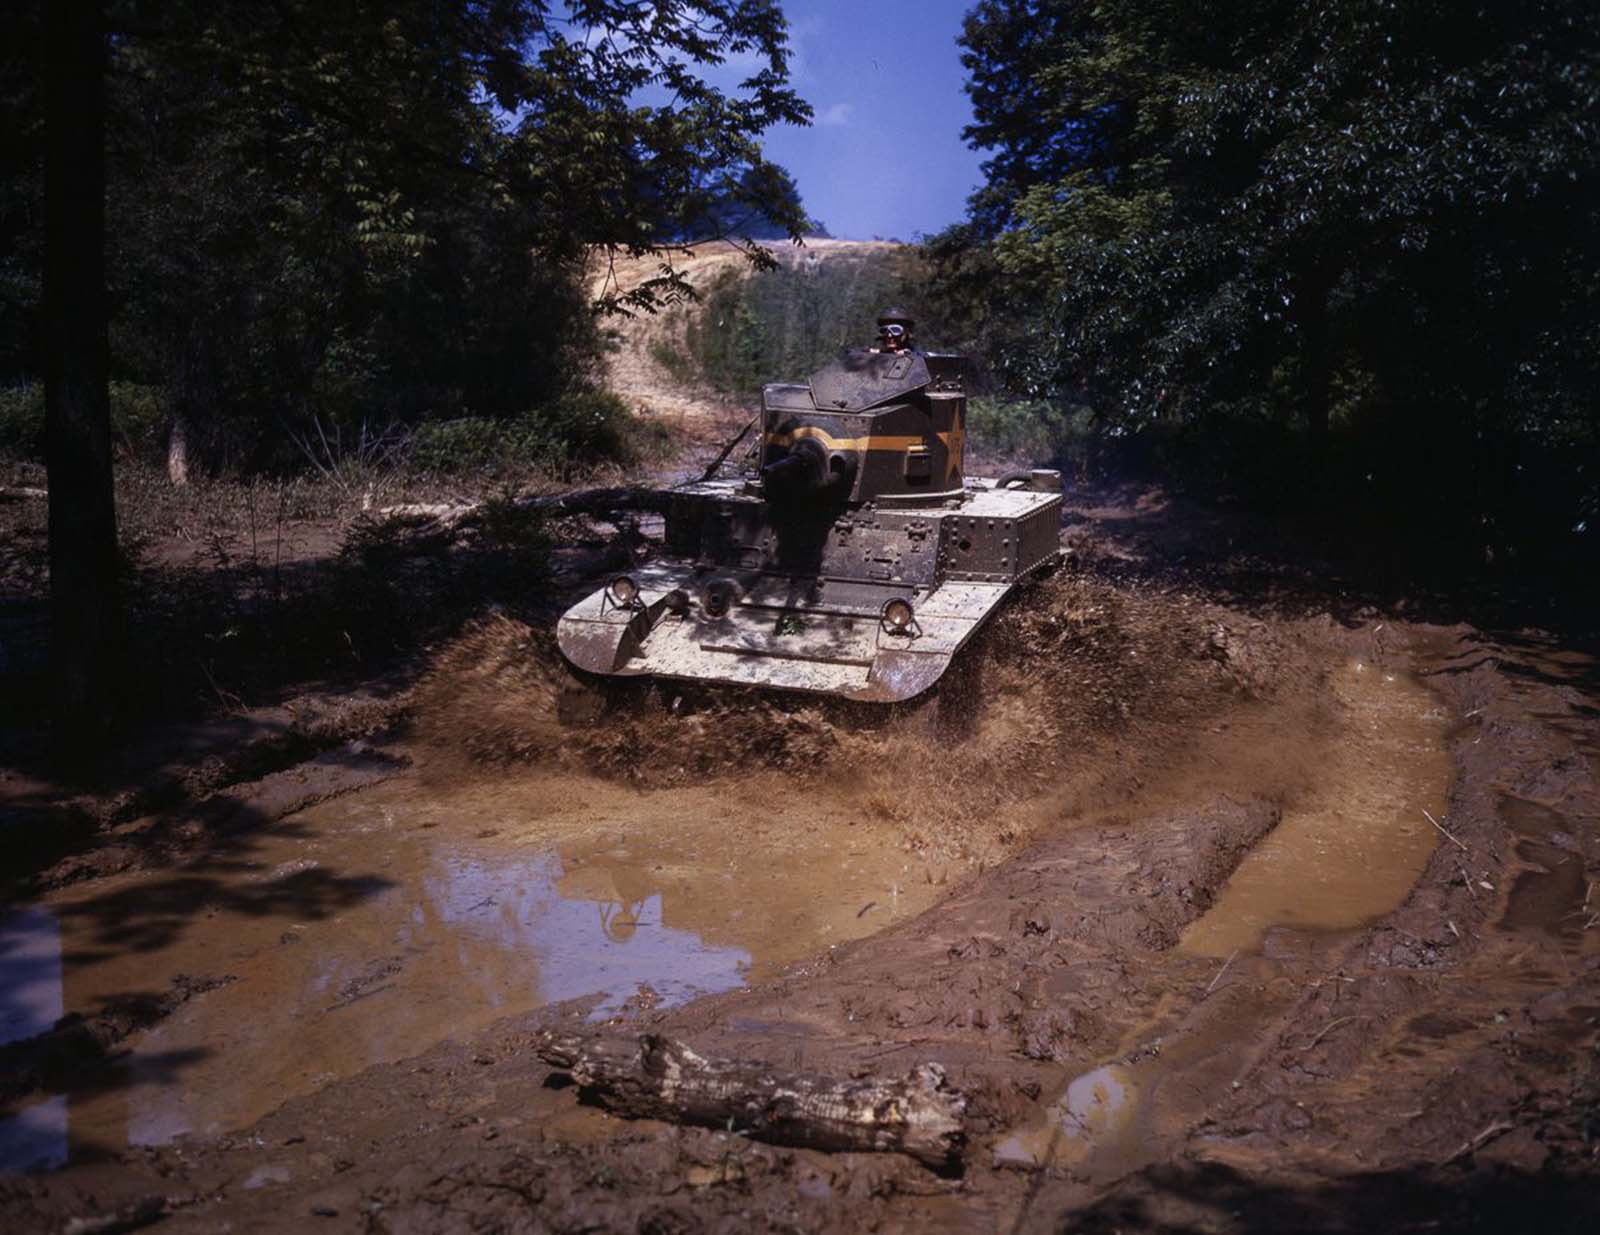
point(677, 395)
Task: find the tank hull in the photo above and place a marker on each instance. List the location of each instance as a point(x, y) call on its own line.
point(743, 599)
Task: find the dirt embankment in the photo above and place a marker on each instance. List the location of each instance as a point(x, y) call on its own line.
point(635, 369)
point(1137, 751)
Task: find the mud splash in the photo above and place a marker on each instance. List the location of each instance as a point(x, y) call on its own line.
point(1351, 847)
point(368, 928)
point(1068, 667)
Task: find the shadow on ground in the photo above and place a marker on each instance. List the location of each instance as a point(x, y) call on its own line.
point(1138, 533)
point(1200, 1200)
point(80, 1053)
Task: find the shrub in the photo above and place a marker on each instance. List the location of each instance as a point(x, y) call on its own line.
point(677, 365)
point(585, 426)
point(1032, 431)
point(467, 444)
point(138, 419)
point(22, 420)
point(581, 428)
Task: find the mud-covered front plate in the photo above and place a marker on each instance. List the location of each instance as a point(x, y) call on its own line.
point(782, 634)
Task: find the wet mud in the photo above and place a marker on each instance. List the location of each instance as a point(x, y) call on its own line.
point(1351, 845)
point(372, 926)
point(1221, 920)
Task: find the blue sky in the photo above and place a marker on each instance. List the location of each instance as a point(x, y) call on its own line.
point(884, 156)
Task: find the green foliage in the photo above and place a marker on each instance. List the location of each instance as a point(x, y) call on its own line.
point(743, 208)
point(138, 419)
point(670, 358)
point(1033, 431)
point(324, 216)
point(472, 444)
point(1196, 192)
point(581, 428)
point(139, 416)
point(587, 426)
point(1294, 219)
point(509, 526)
point(22, 420)
point(781, 324)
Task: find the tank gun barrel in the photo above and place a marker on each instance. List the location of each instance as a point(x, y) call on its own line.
point(808, 469)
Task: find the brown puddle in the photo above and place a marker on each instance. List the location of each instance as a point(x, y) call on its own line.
point(370, 927)
point(1351, 846)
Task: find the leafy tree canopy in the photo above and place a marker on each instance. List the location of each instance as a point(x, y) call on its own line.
point(357, 211)
point(1322, 203)
point(742, 208)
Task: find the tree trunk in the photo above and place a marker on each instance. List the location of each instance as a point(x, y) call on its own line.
point(85, 608)
point(651, 1077)
point(178, 450)
point(599, 502)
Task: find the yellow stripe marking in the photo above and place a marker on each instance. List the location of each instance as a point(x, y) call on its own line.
point(953, 443)
point(879, 441)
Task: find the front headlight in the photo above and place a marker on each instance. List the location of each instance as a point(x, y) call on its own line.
point(897, 616)
point(623, 591)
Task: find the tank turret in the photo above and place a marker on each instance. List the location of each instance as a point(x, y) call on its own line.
point(871, 424)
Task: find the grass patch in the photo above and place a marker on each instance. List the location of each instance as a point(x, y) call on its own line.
point(669, 357)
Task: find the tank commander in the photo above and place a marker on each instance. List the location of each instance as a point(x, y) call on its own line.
point(894, 331)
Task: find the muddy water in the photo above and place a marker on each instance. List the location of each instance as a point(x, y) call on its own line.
point(1348, 848)
point(1092, 1121)
point(370, 927)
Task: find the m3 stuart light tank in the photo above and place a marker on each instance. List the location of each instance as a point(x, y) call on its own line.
point(855, 562)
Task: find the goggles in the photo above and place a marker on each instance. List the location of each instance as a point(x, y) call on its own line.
point(892, 331)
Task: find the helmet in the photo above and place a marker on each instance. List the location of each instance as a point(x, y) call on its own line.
point(895, 327)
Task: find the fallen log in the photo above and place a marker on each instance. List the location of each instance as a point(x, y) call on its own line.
point(652, 1077)
point(600, 501)
point(614, 500)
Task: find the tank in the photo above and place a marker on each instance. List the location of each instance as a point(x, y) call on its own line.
point(855, 560)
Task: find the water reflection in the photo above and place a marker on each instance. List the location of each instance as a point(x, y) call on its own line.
point(599, 928)
point(34, 1136)
point(458, 941)
point(368, 928)
point(474, 939)
point(1090, 1126)
point(30, 973)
